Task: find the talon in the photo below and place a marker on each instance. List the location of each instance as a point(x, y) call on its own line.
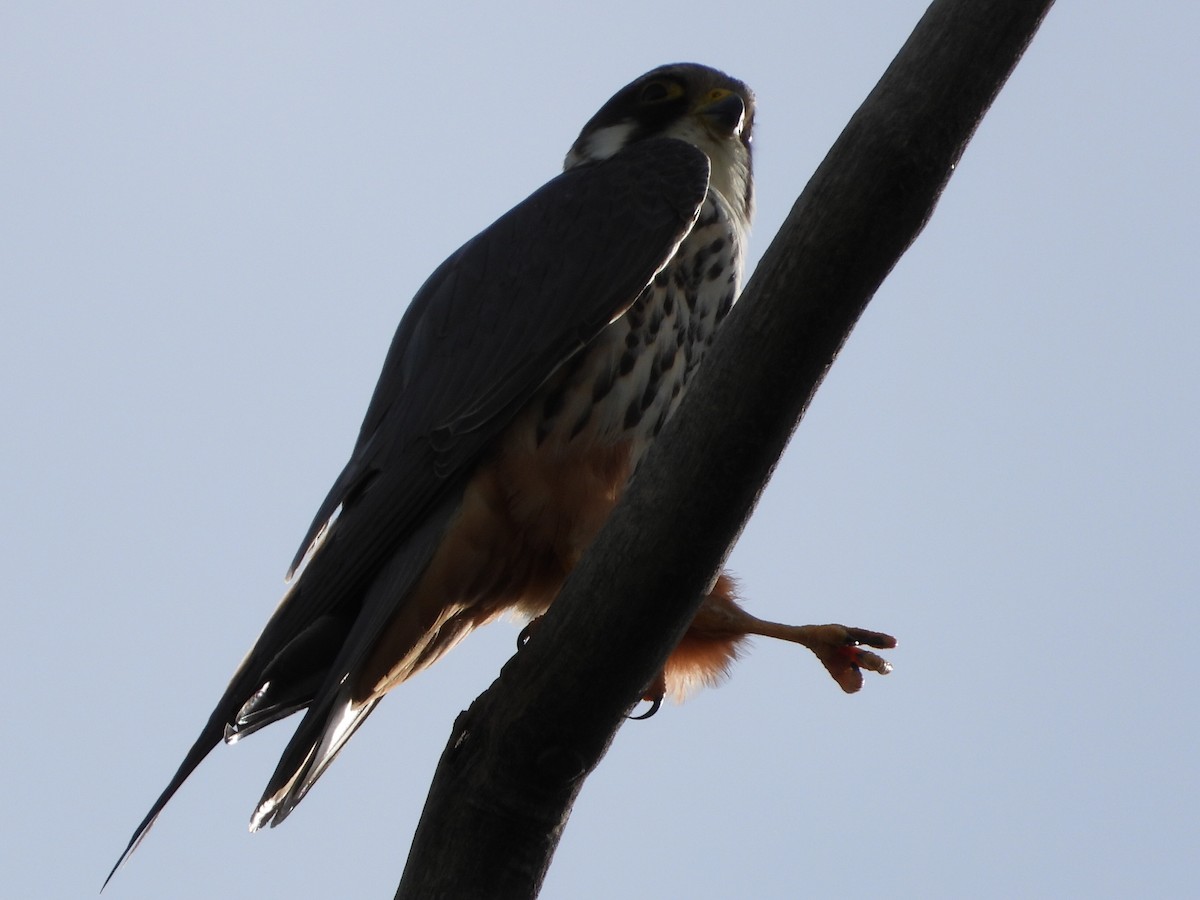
point(865, 659)
point(876, 639)
point(655, 704)
point(527, 632)
point(655, 692)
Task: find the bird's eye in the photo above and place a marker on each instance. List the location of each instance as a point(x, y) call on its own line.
point(658, 91)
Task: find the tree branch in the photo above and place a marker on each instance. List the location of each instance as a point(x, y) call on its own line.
point(518, 757)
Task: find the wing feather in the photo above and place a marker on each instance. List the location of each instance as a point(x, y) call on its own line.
point(503, 312)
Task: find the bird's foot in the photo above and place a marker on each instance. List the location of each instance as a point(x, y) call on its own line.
point(841, 651)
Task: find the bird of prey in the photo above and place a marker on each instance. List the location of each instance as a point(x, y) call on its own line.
point(525, 381)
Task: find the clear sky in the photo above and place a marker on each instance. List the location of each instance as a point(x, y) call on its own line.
point(212, 218)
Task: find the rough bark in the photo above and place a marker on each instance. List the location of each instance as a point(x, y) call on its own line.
point(518, 757)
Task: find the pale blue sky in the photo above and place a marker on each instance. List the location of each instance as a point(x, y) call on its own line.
point(212, 217)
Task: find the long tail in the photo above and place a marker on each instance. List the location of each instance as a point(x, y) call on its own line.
point(209, 738)
point(291, 661)
point(304, 658)
point(334, 714)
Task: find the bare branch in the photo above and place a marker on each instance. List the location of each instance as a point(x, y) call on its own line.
point(518, 757)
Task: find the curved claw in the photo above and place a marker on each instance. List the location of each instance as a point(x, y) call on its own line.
point(655, 705)
point(655, 691)
point(527, 632)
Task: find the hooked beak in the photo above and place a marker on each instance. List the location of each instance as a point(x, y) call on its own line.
point(725, 111)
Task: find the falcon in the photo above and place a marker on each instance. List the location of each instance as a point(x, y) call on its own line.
point(526, 380)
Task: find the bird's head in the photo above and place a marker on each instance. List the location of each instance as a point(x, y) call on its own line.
point(689, 102)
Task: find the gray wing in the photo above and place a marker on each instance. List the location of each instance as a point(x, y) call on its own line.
point(504, 311)
point(486, 330)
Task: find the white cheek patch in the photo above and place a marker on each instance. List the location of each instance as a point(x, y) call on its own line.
point(601, 144)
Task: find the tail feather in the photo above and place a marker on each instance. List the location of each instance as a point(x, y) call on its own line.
point(278, 802)
point(279, 635)
point(335, 714)
point(304, 658)
point(209, 738)
point(291, 681)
